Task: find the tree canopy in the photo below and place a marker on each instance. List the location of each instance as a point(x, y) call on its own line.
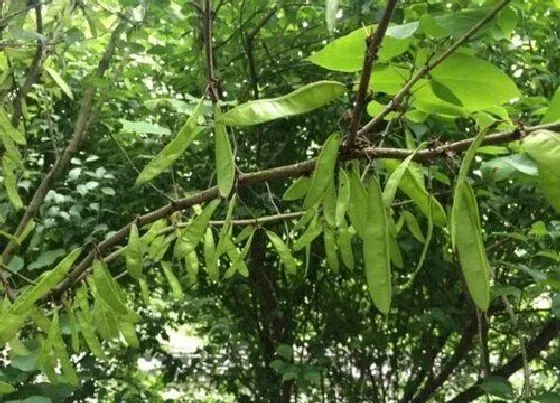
point(335, 200)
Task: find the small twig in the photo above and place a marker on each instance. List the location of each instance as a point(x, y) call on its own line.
point(373, 46)
point(15, 273)
point(397, 99)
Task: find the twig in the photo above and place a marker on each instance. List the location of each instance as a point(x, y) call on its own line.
point(373, 46)
point(278, 173)
point(397, 99)
point(15, 273)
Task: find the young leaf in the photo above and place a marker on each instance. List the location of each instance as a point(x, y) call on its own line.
point(173, 150)
point(225, 162)
point(134, 252)
point(376, 249)
point(283, 252)
point(302, 100)
point(176, 289)
point(324, 168)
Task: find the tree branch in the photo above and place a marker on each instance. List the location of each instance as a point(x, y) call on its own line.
point(278, 173)
point(73, 146)
point(373, 46)
point(539, 343)
point(430, 65)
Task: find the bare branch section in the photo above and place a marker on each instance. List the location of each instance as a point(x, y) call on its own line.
point(539, 343)
point(373, 46)
point(80, 131)
point(399, 97)
point(279, 173)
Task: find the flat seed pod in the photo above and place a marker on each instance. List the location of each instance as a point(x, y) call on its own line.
point(174, 149)
point(305, 99)
point(323, 173)
point(107, 292)
point(210, 256)
point(90, 337)
point(134, 252)
point(345, 236)
point(176, 289)
point(225, 162)
point(376, 249)
point(329, 204)
point(297, 190)
point(313, 231)
point(283, 252)
point(331, 249)
point(192, 235)
point(357, 204)
point(343, 198)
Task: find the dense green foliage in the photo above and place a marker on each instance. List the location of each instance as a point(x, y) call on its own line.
point(324, 210)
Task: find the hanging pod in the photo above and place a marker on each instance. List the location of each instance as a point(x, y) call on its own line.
point(134, 253)
point(324, 169)
point(283, 252)
point(376, 246)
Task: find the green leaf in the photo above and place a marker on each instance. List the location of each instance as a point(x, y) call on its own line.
point(6, 388)
point(297, 190)
point(143, 128)
point(176, 289)
point(477, 83)
point(353, 47)
point(60, 82)
point(508, 167)
point(46, 259)
point(497, 386)
point(283, 252)
point(324, 170)
point(134, 253)
point(553, 112)
point(225, 162)
point(388, 78)
point(285, 351)
point(310, 97)
point(376, 249)
point(544, 147)
point(425, 100)
point(173, 150)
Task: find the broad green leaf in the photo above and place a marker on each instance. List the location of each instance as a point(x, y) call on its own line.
point(376, 249)
point(353, 47)
point(10, 182)
point(324, 170)
point(553, 112)
point(413, 188)
point(426, 100)
point(302, 100)
point(60, 82)
point(544, 147)
point(173, 150)
point(176, 289)
point(298, 189)
point(388, 78)
point(134, 253)
point(225, 161)
point(508, 167)
point(6, 129)
point(477, 83)
point(283, 252)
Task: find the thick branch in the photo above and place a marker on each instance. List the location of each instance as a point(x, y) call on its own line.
point(73, 146)
point(373, 46)
point(398, 98)
point(539, 343)
point(279, 173)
